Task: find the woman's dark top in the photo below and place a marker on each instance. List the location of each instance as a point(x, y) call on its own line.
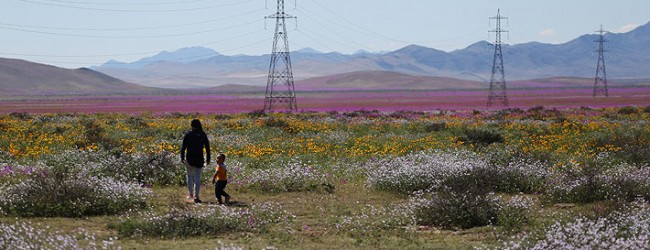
point(193, 143)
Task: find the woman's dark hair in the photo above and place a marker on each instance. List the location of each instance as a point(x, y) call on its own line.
point(196, 125)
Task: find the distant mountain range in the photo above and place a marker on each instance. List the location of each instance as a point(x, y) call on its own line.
point(568, 65)
point(628, 57)
point(23, 78)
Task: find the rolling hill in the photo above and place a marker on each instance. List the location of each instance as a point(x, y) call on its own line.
point(393, 81)
point(23, 78)
point(383, 80)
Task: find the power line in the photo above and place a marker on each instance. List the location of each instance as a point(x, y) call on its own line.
point(426, 26)
point(346, 62)
point(204, 55)
point(129, 37)
point(308, 36)
point(129, 3)
point(335, 33)
point(247, 45)
point(141, 53)
point(132, 29)
point(132, 10)
point(142, 61)
point(353, 64)
point(356, 28)
point(79, 56)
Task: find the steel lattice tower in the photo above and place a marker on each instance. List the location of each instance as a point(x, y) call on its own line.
point(600, 83)
point(279, 86)
point(498, 79)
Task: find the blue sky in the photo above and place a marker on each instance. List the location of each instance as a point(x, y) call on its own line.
point(81, 33)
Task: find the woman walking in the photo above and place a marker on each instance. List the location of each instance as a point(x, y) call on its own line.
point(194, 141)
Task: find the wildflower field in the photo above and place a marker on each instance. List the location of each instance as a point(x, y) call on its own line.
point(538, 178)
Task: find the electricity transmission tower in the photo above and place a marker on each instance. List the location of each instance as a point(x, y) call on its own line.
point(498, 79)
point(600, 83)
point(279, 87)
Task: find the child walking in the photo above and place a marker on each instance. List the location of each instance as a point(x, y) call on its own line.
point(220, 179)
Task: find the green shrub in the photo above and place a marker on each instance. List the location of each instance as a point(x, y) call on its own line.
point(372, 221)
point(23, 116)
point(481, 136)
point(68, 192)
point(273, 122)
point(459, 171)
point(456, 210)
point(290, 177)
point(95, 134)
point(633, 143)
point(581, 182)
point(463, 210)
point(162, 168)
point(435, 127)
point(628, 110)
point(256, 113)
point(626, 229)
point(209, 220)
point(405, 114)
point(598, 179)
point(27, 235)
point(514, 213)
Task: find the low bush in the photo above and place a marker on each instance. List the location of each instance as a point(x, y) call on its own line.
point(629, 182)
point(206, 220)
point(25, 235)
point(68, 192)
point(453, 188)
point(520, 177)
point(288, 177)
point(631, 143)
point(459, 171)
point(162, 168)
point(274, 122)
point(435, 127)
point(628, 110)
point(371, 221)
point(96, 134)
point(626, 229)
point(481, 136)
point(542, 114)
point(453, 210)
point(445, 210)
point(419, 171)
point(598, 180)
point(514, 213)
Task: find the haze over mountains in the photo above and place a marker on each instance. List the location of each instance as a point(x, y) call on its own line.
point(628, 57)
